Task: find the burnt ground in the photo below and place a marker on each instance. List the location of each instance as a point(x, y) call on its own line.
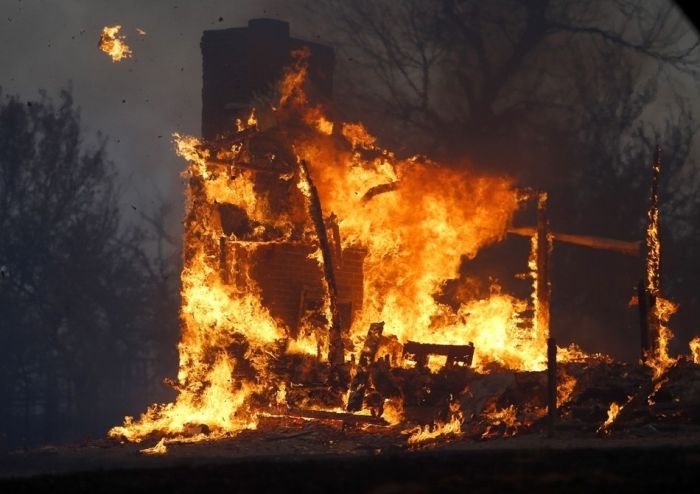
point(322, 459)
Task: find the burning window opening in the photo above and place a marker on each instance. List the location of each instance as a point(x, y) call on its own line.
point(301, 233)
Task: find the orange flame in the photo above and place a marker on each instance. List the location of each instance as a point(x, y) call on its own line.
point(659, 359)
point(415, 218)
point(114, 44)
point(159, 449)
point(507, 417)
point(613, 412)
point(452, 427)
point(695, 349)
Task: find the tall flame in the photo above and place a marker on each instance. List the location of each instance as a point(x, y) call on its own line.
point(416, 219)
point(660, 309)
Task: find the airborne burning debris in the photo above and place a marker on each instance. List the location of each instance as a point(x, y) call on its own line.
point(114, 44)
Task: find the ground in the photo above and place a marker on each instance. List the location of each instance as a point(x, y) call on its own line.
point(326, 459)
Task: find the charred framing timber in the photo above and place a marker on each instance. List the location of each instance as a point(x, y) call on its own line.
point(379, 189)
point(300, 311)
point(620, 246)
point(456, 354)
point(332, 223)
point(552, 411)
point(262, 166)
point(346, 418)
point(335, 351)
point(653, 256)
point(358, 386)
point(227, 142)
point(642, 300)
point(632, 407)
point(543, 246)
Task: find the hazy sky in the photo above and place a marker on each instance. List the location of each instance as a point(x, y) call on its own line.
point(139, 102)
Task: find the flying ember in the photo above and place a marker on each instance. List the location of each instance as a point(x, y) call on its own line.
point(114, 44)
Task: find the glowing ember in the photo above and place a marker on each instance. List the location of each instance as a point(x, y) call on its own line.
point(114, 44)
point(158, 449)
point(505, 419)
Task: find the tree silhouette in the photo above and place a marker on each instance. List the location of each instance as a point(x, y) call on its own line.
point(78, 294)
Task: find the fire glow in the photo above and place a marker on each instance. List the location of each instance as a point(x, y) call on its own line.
point(413, 219)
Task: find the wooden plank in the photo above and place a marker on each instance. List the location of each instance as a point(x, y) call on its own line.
point(348, 418)
point(620, 246)
point(358, 385)
point(552, 411)
point(454, 353)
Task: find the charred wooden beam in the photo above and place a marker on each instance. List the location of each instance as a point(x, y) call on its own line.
point(227, 142)
point(455, 354)
point(543, 287)
point(642, 301)
point(332, 223)
point(347, 418)
point(620, 246)
point(653, 254)
point(261, 165)
point(358, 385)
point(379, 189)
point(335, 352)
point(551, 385)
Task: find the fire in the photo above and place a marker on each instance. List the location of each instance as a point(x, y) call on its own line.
point(415, 219)
point(393, 411)
point(695, 349)
point(159, 449)
point(452, 427)
point(114, 44)
point(660, 309)
point(505, 417)
point(659, 359)
point(565, 388)
point(437, 430)
point(613, 412)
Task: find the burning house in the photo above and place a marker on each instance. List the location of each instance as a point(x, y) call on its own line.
point(239, 65)
point(313, 259)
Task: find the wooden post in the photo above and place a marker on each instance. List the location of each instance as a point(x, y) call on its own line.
point(551, 385)
point(369, 352)
point(336, 355)
point(642, 299)
point(653, 256)
point(543, 287)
